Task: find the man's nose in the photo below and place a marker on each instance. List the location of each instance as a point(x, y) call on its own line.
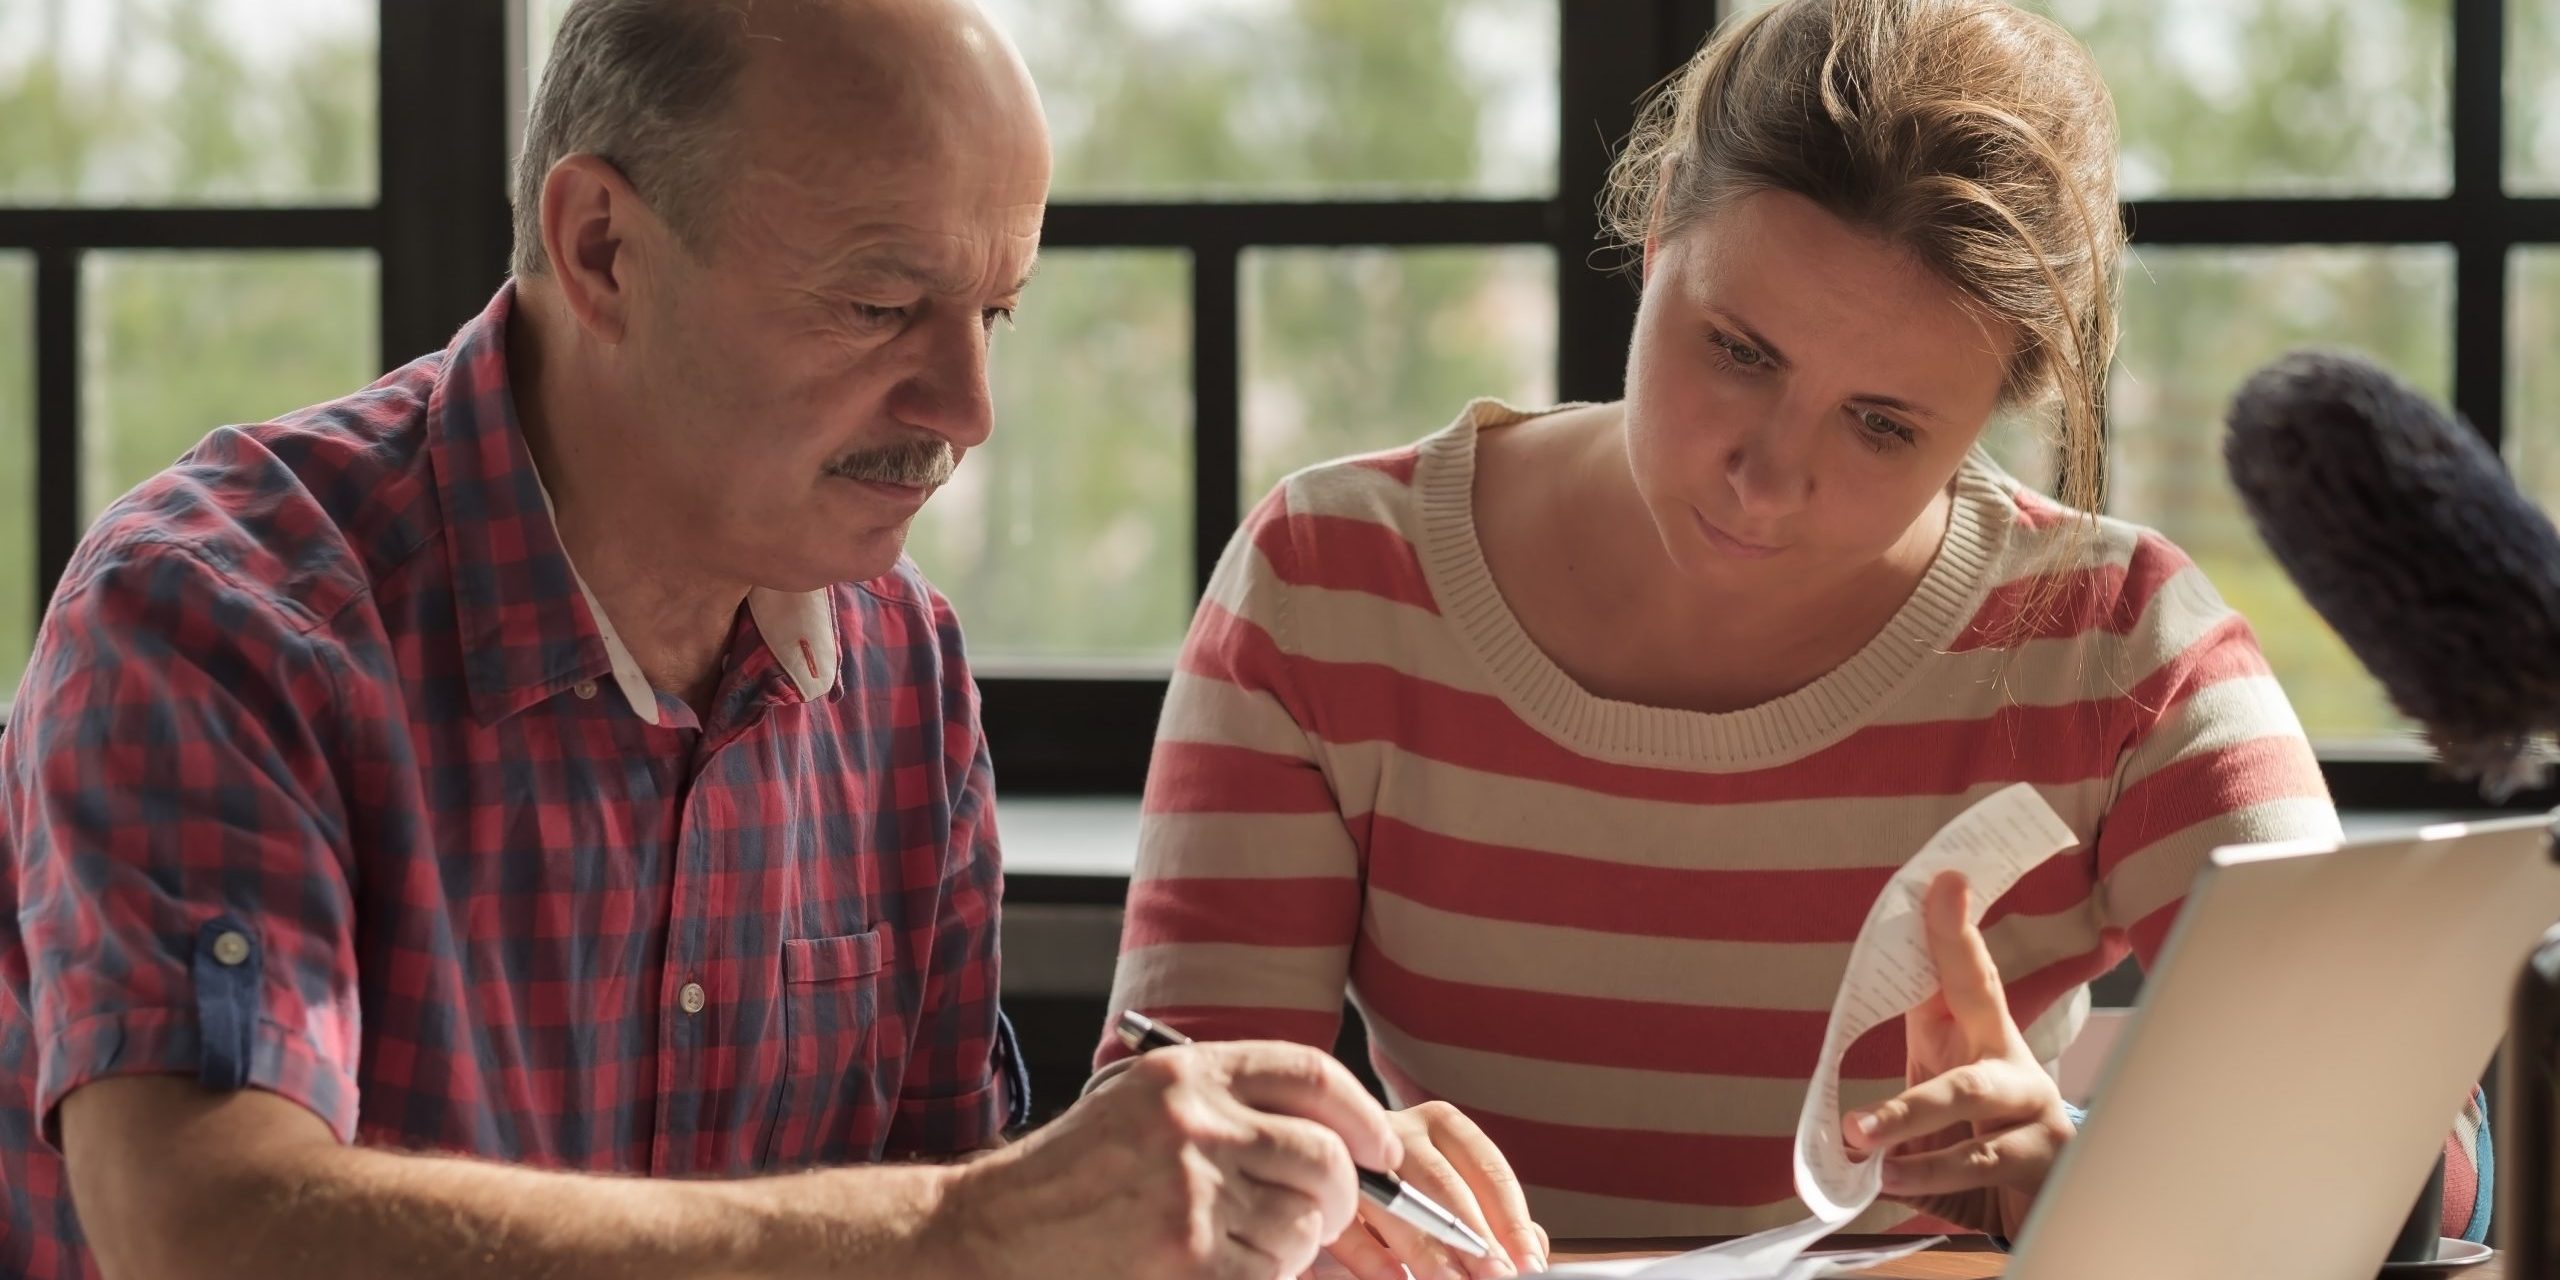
point(947, 392)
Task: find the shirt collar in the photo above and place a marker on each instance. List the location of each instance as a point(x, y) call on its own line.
point(529, 625)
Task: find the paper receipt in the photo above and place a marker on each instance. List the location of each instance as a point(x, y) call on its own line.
point(1993, 844)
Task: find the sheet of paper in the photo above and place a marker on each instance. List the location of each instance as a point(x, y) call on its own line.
point(1810, 1266)
point(1995, 842)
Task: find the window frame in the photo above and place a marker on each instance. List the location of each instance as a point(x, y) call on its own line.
point(438, 226)
point(452, 102)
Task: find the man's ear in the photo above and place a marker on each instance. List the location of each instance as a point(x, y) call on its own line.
point(592, 220)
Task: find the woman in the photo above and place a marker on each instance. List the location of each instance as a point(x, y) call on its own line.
point(1576, 744)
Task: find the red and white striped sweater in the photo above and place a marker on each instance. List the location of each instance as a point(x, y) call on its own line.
point(1611, 933)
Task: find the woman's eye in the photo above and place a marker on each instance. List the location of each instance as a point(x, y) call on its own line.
point(1884, 432)
point(1743, 354)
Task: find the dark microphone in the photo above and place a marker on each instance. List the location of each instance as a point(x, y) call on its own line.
point(2403, 530)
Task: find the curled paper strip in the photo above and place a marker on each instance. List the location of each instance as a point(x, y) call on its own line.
point(1994, 843)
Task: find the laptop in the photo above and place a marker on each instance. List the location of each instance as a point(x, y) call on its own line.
point(2280, 1096)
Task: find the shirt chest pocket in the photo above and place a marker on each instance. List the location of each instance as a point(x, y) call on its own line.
point(835, 1101)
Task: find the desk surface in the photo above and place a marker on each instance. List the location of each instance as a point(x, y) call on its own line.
point(1955, 1260)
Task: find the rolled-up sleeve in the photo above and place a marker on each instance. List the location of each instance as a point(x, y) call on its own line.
point(175, 826)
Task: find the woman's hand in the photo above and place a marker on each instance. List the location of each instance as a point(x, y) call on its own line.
point(1982, 1123)
point(1447, 1158)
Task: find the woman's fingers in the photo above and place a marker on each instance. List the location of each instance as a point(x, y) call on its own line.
point(1994, 1093)
point(1489, 1177)
point(2019, 1157)
point(1967, 977)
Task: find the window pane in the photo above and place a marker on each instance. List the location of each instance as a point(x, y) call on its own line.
point(2533, 392)
point(541, 24)
point(1281, 99)
point(2026, 445)
point(2197, 323)
point(2533, 97)
point(1349, 350)
point(1068, 535)
point(17, 468)
point(176, 344)
point(1294, 98)
point(2273, 97)
point(200, 102)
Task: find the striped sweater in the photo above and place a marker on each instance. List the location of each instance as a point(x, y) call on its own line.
point(1611, 933)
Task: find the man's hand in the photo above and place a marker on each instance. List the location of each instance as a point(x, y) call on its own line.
point(1228, 1161)
point(1982, 1123)
point(1447, 1158)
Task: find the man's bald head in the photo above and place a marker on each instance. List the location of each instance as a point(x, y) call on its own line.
point(675, 93)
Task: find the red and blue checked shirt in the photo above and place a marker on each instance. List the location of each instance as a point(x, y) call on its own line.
point(328, 778)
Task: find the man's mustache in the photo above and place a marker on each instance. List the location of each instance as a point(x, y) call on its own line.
point(919, 464)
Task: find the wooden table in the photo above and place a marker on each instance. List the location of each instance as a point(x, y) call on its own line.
point(1958, 1259)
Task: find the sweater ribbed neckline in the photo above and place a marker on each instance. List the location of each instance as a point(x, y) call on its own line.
point(1769, 734)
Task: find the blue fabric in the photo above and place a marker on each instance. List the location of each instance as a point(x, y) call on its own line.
point(226, 1007)
point(1017, 1074)
point(2484, 1163)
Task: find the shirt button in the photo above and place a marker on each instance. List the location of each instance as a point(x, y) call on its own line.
point(230, 948)
point(691, 997)
point(585, 689)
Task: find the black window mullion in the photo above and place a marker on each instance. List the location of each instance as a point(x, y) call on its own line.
point(1610, 54)
point(1217, 403)
point(445, 230)
point(57, 360)
point(2479, 216)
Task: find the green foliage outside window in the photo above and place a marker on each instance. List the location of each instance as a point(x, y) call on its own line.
point(1068, 538)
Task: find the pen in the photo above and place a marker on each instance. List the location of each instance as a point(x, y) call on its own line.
point(1385, 1190)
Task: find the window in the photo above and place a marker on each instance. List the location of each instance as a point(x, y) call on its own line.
point(2274, 97)
point(2197, 322)
point(2533, 448)
point(17, 467)
point(1067, 536)
point(2533, 97)
point(1282, 229)
point(179, 343)
point(1352, 350)
point(216, 211)
point(1251, 99)
point(214, 102)
point(2271, 97)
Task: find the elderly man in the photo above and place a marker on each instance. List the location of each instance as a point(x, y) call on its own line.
point(540, 766)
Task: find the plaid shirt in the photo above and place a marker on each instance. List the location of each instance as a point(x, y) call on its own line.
point(310, 789)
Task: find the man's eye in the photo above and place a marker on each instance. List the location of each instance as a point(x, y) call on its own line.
point(869, 314)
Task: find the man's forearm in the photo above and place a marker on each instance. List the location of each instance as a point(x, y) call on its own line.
point(171, 1181)
point(347, 1211)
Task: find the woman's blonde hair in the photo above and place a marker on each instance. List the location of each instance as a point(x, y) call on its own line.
point(1971, 135)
